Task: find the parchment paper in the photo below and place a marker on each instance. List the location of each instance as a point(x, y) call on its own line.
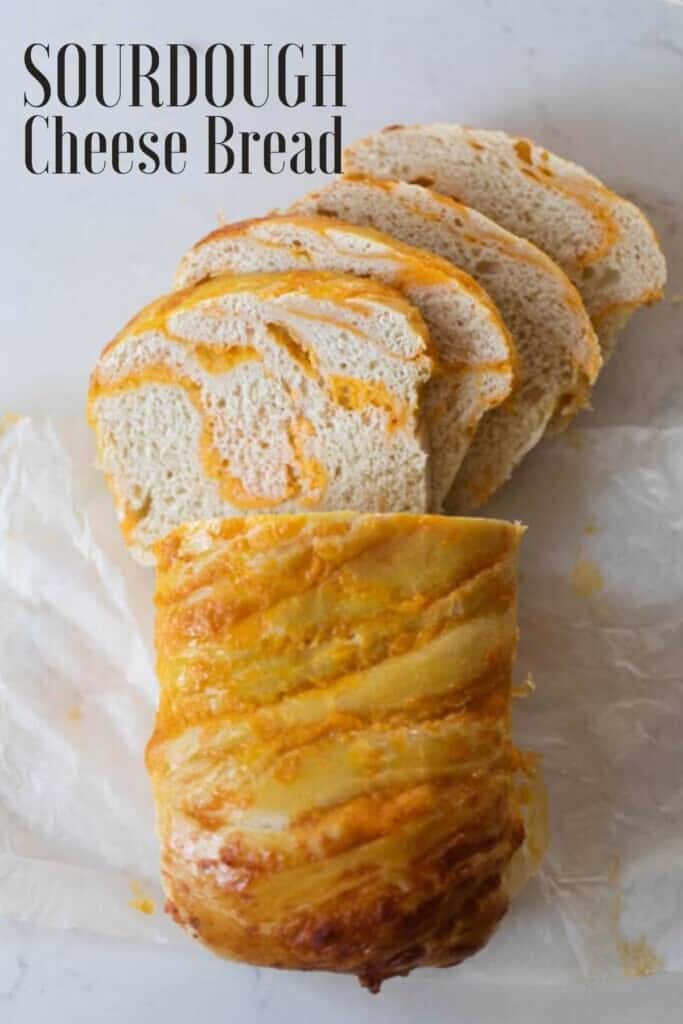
point(601, 610)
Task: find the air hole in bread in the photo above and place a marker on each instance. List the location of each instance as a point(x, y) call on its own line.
point(423, 180)
point(486, 267)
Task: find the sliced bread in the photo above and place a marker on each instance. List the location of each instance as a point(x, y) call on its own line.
point(558, 352)
point(603, 242)
point(474, 349)
point(271, 392)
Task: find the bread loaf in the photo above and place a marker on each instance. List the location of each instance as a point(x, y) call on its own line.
point(278, 392)
point(474, 349)
point(335, 781)
point(603, 242)
point(559, 355)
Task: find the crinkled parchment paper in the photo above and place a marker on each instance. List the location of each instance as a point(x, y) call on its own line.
point(601, 612)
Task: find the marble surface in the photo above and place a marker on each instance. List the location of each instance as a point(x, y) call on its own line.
point(70, 979)
point(600, 81)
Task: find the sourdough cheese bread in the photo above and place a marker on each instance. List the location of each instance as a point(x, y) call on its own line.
point(475, 354)
point(271, 392)
point(559, 355)
point(602, 241)
point(334, 776)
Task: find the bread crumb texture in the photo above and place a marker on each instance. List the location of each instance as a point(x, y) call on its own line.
point(603, 242)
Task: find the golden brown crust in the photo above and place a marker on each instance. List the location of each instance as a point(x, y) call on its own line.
point(332, 762)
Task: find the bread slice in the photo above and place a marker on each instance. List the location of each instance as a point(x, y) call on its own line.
point(604, 243)
point(557, 347)
point(473, 345)
point(271, 392)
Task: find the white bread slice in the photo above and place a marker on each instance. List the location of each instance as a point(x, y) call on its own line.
point(558, 351)
point(603, 242)
point(271, 392)
point(474, 348)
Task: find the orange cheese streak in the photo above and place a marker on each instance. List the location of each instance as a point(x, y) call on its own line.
point(220, 358)
point(312, 473)
point(332, 761)
point(213, 463)
point(593, 196)
point(348, 392)
point(357, 394)
point(322, 285)
point(296, 349)
point(129, 517)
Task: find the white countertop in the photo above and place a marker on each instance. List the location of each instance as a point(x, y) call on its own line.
point(599, 81)
point(60, 977)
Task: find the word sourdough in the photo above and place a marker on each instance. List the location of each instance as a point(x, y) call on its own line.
point(139, 75)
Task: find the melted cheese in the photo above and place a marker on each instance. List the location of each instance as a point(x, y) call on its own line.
point(223, 358)
point(332, 761)
point(351, 393)
point(214, 464)
point(299, 352)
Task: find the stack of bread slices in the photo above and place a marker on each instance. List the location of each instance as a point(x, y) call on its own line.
point(397, 341)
